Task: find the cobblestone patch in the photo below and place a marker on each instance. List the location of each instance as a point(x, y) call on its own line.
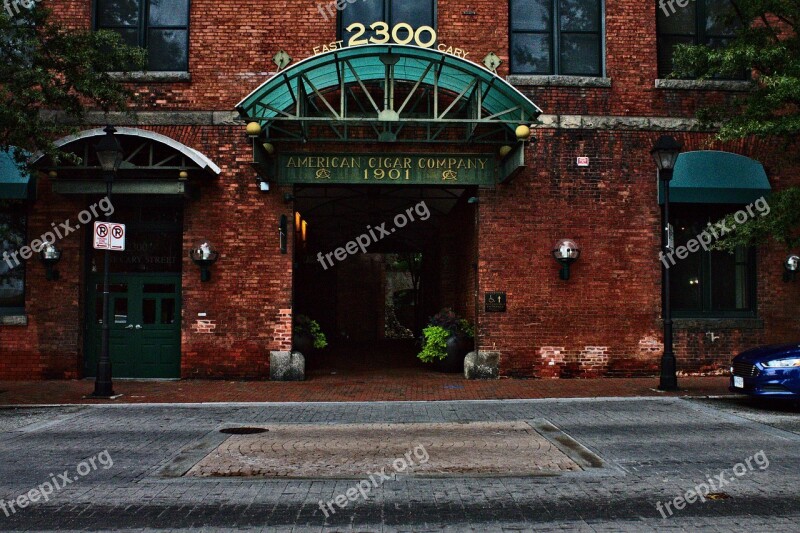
point(512, 448)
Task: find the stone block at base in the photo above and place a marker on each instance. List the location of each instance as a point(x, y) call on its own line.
point(287, 366)
point(482, 365)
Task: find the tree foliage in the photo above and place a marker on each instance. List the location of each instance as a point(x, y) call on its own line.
point(782, 224)
point(46, 66)
point(768, 46)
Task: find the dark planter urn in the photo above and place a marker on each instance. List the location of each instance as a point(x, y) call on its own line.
point(303, 343)
point(458, 346)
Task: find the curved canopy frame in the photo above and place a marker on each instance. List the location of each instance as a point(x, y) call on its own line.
point(388, 92)
point(146, 153)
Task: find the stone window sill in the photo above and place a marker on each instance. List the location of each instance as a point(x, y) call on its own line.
point(13, 320)
point(713, 324)
point(559, 81)
point(158, 77)
point(705, 85)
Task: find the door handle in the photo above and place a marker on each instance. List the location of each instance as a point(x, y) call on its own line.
point(138, 326)
point(129, 326)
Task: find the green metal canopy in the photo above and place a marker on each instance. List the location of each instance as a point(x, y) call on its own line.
point(386, 89)
point(14, 184)
point(713, 177)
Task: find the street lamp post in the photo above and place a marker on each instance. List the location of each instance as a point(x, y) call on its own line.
point(665, 153)
point(109, 152)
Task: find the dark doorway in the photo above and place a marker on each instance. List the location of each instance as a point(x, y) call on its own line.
point(373, 263)
point(145, 292)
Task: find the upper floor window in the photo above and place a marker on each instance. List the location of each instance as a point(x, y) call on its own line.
point(712, 284)
point(12, 266)
point(416, 13)
point(557, 37)
point(702, 22)
point(159, 26)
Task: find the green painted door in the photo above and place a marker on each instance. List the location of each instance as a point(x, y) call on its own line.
point(145, 336)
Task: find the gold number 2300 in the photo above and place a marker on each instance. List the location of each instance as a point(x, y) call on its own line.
point(383, 34)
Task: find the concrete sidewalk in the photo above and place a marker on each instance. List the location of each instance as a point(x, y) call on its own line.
point(401, 385)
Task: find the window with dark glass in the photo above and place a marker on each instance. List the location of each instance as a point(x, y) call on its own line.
point(714, 284)
point(12, 267)
point(159, 26)
point(556, 37)
point(702, 22)
point(416, 13)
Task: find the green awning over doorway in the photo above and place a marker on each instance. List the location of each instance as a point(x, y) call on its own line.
point(387, 84)
point(14, 184)
point(713, 177)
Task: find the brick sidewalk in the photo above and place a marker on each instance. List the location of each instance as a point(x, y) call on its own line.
point(402, 384)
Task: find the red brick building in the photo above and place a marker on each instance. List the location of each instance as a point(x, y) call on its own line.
point(350, 136)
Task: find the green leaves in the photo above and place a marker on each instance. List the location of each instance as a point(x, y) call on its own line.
point(47, 67)
point(767, 46)
point(782, 224)
point(303, 325)
point(435, 345)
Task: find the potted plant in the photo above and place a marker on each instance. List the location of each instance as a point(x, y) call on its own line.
point(446, 341)
point(307, 335)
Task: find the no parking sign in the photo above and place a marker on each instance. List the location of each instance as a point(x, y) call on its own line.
point(109, 236)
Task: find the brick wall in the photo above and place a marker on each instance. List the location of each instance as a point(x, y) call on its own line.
point(232, 45)
point(250, 289)
point(606, 319)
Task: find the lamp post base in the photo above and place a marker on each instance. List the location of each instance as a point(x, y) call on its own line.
point(92, 396)
point(103, 385)
point(110, 395)
point(669, 379)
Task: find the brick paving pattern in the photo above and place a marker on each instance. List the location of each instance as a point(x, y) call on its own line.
point(353, 450)
point(395, 385)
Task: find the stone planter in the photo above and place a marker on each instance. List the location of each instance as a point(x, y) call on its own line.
point(287, 366)
point(482, 365)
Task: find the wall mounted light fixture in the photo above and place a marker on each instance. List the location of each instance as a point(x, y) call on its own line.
point(50, 256)
point(791, 266)
point(204, 255)
point(566, 252)
point(263, 184)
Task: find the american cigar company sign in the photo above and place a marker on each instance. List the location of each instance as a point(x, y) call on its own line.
point(411, 169)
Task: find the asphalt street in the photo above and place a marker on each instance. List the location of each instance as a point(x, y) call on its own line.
point(125, 466)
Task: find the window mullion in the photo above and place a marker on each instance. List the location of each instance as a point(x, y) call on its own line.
point(700, 22)
point(555, 56)
point(144, 12)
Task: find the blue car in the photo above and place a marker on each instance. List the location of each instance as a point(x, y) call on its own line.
point(768, 372)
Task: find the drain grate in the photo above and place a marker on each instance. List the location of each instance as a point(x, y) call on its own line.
point(718, 496)
point(243, 431)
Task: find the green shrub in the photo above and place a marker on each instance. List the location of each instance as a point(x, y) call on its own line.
point(466, 328)
point(435, 345)
point(305, 326)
